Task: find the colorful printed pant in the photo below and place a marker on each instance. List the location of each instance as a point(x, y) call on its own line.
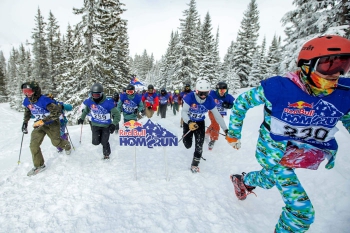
point(298, 214)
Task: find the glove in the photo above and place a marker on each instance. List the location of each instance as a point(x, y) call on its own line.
point(192, 126)
point(149, 107)
point(234, 142)
point(226, 105)
point(24, 128)
point(226, 132)
point(117, 127)
point(111, 128)
point(80, 121)
point(38, 124)
point(136, 111)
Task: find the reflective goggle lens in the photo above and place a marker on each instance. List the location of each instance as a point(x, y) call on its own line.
point(333, 64)
point(130, 92)
point(96, 95)
point(28, 91)
point(203, 93)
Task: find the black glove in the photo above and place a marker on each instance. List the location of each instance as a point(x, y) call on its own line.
point(24, 128)
point(226, 105)
point(226, 132)
point(80, 121)
point(149, 107)
point(111, 128)
point(136, 111)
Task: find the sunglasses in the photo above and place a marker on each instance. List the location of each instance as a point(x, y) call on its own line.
point(203, 93)
point(333, 64)
point(96, 95)
point(28, 91)
point(130, 92)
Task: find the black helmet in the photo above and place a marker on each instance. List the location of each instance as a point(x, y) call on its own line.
point(130, 87)
point(187, 85)
point(150, 86)
point(96, 88)
point(221, 85)
point(116, 95)
point(96, 91)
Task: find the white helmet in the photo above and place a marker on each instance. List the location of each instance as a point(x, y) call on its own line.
point(202, 85)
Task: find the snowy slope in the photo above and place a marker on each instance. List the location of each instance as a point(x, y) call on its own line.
point(82, 193)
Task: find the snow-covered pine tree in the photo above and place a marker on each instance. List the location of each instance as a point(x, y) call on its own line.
point(40, 60)
point(255, 73)
point(54, 54)
point(168, 62)
point(246, 42)
point(274, 57)
point(14, 81)
point(216, 59)
point(186, 68)
point(263, 61)
point(3, 94)
point(206, 59)
point(113, 42)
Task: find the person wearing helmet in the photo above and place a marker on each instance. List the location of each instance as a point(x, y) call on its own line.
point(130, 104)
point(223, 102)
point(151, 101)
point(63, 119)
point(301, 111)
point(46, 114)
point(102, 109)
point(187, 90)
point(164, 99)
point(176, 101)
point(116, 98)
point(195, 106)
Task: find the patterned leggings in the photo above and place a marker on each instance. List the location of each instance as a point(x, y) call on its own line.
point(298, 214)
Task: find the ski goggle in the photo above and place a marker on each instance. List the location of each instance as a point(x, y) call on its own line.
point(333, 64)
point(202, 93)
point(130, 92)
point(222, 91)
point(96, 95)
point(28, 91)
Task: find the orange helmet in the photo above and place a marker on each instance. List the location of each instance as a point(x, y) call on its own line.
point(323, 46)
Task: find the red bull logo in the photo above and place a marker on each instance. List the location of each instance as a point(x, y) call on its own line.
point(194, 106)
point(300, 108)
point(31, 107)
point(300, 105)
point(132, 124)
point(93, 107)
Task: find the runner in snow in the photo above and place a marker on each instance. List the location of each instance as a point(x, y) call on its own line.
point(187, 90)
point(223, 102)
point(101, 109)
point(164, 99)
point(300, 116)
point(151, 101)
point(46, 114)
point(176, 100)
point(195, 105)
point(130, 104)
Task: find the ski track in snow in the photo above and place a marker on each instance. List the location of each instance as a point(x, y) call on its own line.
point(82, 193)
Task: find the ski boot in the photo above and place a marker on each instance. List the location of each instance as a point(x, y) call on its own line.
point(36, 170)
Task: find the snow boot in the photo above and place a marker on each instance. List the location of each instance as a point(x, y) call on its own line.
point(68, 151)
point(211, 144)
point(36, 170)
point(195, 169)
point(241, 190)
point(106, 157)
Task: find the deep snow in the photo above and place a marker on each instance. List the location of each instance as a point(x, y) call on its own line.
point(82, 193)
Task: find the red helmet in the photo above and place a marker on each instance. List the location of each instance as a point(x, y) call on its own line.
point(323, 46)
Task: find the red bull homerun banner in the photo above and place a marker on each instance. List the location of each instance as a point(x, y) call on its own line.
point(150, 134)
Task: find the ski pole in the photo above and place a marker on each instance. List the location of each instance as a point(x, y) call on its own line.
point(215, 131)
point(81, 132)
point(184, 135)
point(70, 138)
point(20, 150)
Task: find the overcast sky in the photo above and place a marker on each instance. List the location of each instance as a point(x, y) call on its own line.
point(150, 22)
